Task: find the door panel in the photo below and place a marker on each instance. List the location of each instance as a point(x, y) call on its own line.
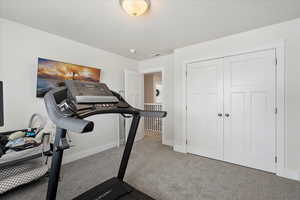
point(204, 102)
point(249, 99)
point(133, 95)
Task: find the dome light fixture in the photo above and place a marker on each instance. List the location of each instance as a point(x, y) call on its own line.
point(135, 7)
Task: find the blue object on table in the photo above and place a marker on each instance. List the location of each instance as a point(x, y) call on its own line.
point(30, 134)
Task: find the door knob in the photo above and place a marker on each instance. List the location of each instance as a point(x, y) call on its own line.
point(220, 115)
point(227, 115)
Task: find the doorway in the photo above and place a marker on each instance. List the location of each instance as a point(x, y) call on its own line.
point(153, 101)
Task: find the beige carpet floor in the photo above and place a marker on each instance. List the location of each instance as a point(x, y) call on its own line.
point(166, 175)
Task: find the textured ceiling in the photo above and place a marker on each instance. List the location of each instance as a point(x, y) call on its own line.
point(170, 24)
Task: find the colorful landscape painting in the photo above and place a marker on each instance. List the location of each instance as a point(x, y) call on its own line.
point(52, 73)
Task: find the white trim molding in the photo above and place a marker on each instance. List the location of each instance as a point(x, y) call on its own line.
point(280, 100)
point(290, 174)
point(180, 148)
point(82, 154)
point(168, 143)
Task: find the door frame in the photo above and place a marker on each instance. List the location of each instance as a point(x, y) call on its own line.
point(280, 150)
point(162, 70)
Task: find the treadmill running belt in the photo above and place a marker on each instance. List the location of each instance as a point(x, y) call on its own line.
point(109, 190)
point(113, 189)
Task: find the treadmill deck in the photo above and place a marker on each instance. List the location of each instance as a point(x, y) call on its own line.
point(113, 189)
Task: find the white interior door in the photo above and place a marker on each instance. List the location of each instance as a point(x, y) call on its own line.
point(249, 107)
point(204, 104)
point(134, 89)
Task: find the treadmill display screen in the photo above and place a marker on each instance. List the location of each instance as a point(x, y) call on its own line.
point(90, 93)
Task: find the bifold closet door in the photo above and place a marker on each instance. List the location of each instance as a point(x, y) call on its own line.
point(249, 109)
point(204, 108)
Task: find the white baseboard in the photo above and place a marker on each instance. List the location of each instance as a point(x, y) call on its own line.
point(180, 148)
point(290, 174)
point(168, 143)
point(86, 153)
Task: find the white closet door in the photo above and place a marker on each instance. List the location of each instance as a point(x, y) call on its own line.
point(249, 108)
point(204, 103)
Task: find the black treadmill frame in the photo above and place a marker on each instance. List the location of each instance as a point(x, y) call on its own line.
point(75, 121)
point(58, 155)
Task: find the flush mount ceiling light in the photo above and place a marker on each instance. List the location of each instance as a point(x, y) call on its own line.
point(135, 7)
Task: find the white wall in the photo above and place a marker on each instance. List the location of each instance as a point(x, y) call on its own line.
point(288, 31)
point(165, 63)
point(20, 46)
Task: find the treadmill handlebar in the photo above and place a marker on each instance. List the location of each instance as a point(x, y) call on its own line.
point(51, 99)
point(156, 114)
point(144, 113)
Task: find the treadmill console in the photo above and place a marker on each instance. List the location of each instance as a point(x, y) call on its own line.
point(90, 93)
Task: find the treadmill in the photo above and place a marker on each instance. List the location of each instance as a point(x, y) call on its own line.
point(68, 107)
